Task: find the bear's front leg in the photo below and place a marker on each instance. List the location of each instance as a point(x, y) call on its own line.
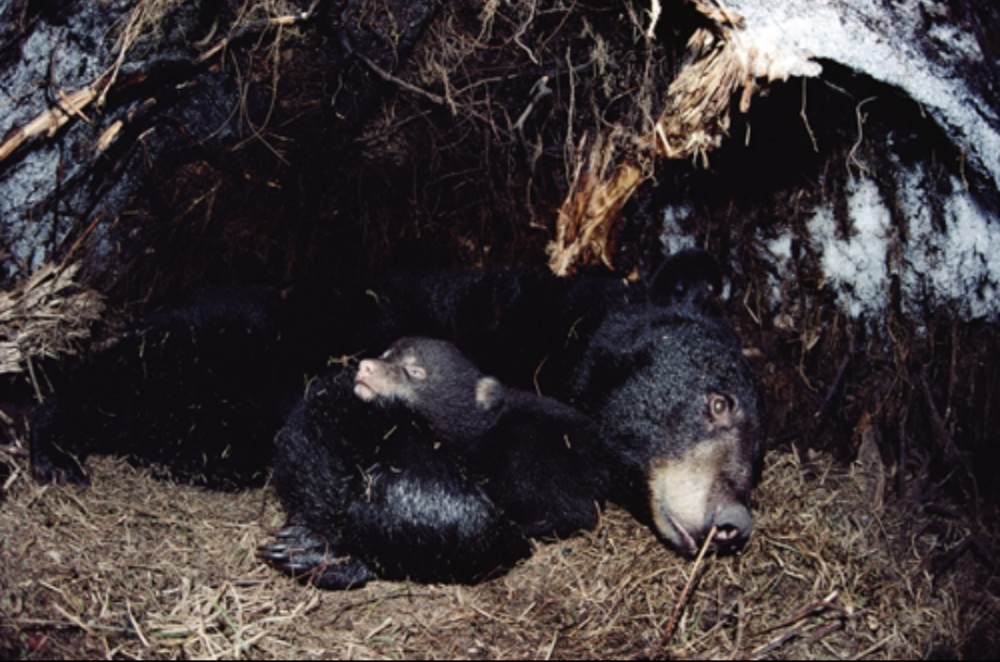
point(309, 558)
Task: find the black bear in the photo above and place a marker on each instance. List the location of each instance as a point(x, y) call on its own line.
point(537, 458)
point(451, 492)
point(194, 389)
point(369, 494)
point(659, 371)
point(679, 413)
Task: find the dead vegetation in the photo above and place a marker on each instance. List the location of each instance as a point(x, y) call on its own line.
point(475, 133)
point(693, 119)
point(47, 316)
point(135, 567)
point(573, 105)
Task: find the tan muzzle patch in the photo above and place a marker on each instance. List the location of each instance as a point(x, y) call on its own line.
point(687, 491)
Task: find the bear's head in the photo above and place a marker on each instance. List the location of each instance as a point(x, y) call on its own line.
point(679, 411)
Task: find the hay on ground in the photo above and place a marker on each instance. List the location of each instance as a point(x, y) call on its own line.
point(133, 566)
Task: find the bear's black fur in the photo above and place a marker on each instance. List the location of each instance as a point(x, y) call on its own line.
point(195, 389)
point(542, 463)
point(537, 458)
point(397, 487)
point(369, 493)
point(660, 372)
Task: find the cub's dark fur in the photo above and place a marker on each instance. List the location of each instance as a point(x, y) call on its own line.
point(655, 366)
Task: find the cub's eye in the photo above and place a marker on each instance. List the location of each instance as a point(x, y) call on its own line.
point(415, 372)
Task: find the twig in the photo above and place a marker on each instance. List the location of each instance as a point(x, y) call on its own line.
point(833, 392)
point(685, 594)
point(812, 608)
point(72, 618)
point(740, 628)
point(379, 628)
point(538, 371)
point(389, 78)
point(797, 631)
point(796, 625)
point(135, 624)
point(523, 28)
point(805, 119)
point(551, 647)
point(866, 653)
point(256, 26)
point(541, 90)
point(49, 121)
point(11, 479)
point(73, 623)
point(654, 16)
point(860, 119)
point(949, 448)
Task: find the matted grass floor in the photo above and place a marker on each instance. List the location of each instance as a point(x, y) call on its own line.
point(133, 566)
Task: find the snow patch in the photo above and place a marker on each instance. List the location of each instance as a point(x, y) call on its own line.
point(780, 249)
point(674, 238)
point(958, 267)
point(859, 35)
point(954, 264)
point(856, 266)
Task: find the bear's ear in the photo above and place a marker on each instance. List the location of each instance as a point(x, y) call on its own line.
point(688, 278)
point(489, 393)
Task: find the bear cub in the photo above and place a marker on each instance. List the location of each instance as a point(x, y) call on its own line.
point(423, 468)
point(536, 457)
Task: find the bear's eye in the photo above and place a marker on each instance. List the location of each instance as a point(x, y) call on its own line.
point(719, 405)
point(415, 371)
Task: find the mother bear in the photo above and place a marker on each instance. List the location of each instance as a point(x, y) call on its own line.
point(675, 402)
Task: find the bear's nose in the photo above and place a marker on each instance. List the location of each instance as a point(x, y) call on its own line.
point(733, 524)
point(366, 368)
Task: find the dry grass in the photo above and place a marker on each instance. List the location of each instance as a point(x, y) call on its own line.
point(45, 316)
point(721, 64)
point(138, 567)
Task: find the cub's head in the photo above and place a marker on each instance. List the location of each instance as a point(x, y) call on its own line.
point(434, 379)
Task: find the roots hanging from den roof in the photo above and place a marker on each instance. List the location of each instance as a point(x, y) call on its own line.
point(721, 63)
point(585, 224)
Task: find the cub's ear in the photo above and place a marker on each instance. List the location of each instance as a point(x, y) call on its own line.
point(688, 278)
point(489, 393)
